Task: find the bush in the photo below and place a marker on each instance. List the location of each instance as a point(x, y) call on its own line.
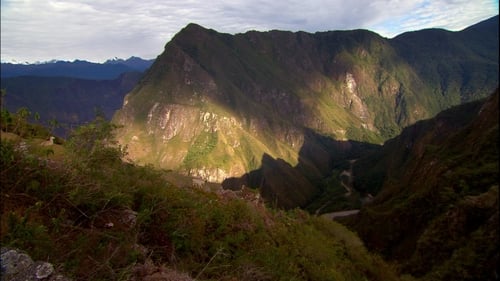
point(74, 213)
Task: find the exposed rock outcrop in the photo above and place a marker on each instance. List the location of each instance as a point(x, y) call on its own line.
point(18, 266)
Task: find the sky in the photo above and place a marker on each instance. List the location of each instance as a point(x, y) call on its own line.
point(97, 30)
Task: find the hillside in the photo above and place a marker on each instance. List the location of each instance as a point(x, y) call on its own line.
point(95, 217)
point(228, 144)
point(437, 210)
point(220, 106)
point(68, 100)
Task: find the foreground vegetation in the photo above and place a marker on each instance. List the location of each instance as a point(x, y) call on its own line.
point(95, 217)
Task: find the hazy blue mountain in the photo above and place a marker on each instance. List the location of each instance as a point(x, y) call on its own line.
point(135, 63)
point(111, 69)
point(71, 101)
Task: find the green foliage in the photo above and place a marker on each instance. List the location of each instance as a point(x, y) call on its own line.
point(94, 143)
point(463, 241)
point(203, 145)
point(25, 234)
point(438, 205)
point(332, 197)
point(63, 213)
point(19, 122)
point(5, 117)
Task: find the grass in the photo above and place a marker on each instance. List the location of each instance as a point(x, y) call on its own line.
point(62, 212)
point(203, 145)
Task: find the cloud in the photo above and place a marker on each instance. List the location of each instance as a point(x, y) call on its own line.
point(448, 14)
point(96, 30)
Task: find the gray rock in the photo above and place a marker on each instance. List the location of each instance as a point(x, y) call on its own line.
point(129, 217)
point(43, 270)
point(14, 263)
point(18, 266)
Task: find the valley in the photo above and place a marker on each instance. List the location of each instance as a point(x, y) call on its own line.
point(65, 95)
point(285, 112)
point(279, 111)
point(277, 155)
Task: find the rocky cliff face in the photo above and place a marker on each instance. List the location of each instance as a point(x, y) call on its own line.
point(212, 105)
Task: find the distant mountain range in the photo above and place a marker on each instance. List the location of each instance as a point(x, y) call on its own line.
point(110, 69)
point(70, 101)
point(70, 92)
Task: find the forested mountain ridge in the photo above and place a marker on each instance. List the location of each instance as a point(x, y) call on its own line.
point(437, 210)
point(213, 105)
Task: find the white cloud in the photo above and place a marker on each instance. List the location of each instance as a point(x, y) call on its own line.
point(37, 30)
point(448, 14)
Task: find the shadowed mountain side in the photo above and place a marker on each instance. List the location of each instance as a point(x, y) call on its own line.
point(285, 186)
point(280, 184)
point(391, 161)
point(437, 211)
point(70, 101)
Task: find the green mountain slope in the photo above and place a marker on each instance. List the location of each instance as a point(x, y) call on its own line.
point(97, 218)
point(456, 66)
point(212, 105)
point(437, 211)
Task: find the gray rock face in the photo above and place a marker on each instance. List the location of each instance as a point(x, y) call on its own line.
point(14, 263)
point(43, 270)
point(18, 266)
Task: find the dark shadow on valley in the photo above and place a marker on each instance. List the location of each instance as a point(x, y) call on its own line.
point(285, 186)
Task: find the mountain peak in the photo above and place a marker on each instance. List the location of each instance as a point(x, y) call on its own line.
point(131, 59)
point(213, 104)
point(192, 30)
point(491, 23)
point(110, 69)
point(194, 26)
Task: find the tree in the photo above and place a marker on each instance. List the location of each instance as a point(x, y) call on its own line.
point(21, 121)
point(5, 117)
point(53, 124)
point(94, 143)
